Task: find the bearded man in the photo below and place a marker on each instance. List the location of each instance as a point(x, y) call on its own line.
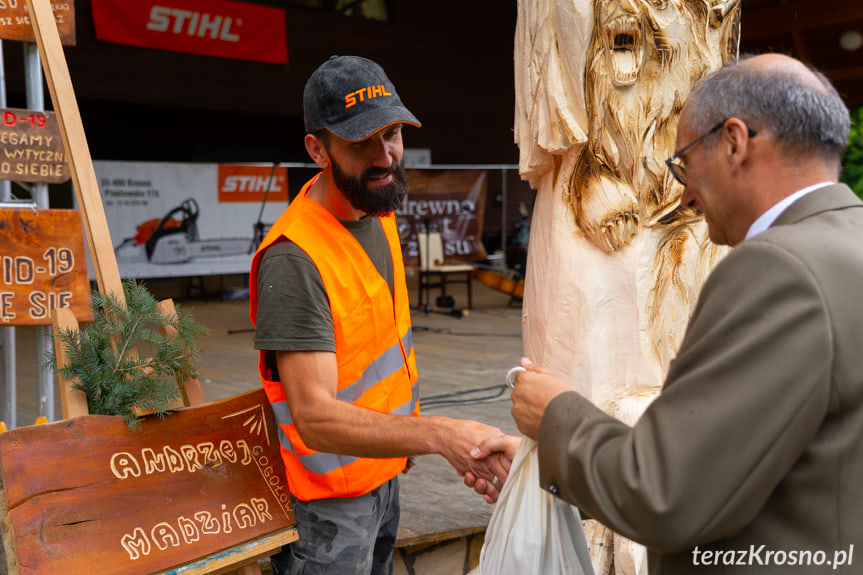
point(333, 330)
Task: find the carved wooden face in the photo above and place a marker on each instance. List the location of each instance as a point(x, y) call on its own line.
point(633, 31)
point(621, 29)
point(644, 58)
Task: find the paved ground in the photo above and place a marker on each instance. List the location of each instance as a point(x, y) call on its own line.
point(462, 364)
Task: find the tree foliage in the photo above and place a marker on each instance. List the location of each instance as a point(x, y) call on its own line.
point(103, 358)
point(852, 166)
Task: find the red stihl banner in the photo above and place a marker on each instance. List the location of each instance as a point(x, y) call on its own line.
point(210, 27)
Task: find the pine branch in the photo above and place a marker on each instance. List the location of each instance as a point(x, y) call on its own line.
point(128, 342)
point(119, 382)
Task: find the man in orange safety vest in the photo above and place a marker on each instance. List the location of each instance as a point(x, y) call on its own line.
point(330, 305)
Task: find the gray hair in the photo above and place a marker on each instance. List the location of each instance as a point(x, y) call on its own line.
point(807, 117)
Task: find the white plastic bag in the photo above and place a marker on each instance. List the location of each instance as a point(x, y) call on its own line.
point(531, 532)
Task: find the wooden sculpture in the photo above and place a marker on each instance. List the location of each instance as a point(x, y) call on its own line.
point(614, 266)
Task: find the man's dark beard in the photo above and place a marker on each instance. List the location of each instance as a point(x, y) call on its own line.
point(377, 201)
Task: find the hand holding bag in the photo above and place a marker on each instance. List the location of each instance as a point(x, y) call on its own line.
point(531, 532)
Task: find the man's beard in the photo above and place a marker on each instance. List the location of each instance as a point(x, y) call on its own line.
point(377, 201)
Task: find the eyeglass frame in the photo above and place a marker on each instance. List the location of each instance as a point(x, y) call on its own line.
point(674, 167)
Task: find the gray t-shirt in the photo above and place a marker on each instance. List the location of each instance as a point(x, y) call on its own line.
point(293, 308)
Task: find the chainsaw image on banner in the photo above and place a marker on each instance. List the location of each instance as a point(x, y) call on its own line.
point(174, 239)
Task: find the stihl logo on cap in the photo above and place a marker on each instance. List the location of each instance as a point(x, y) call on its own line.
point(244, 183)
point(364, 94)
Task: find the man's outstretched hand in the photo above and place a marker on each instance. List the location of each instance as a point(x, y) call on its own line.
point(498, 452)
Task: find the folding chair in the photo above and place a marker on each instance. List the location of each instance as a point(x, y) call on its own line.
point(435, 272)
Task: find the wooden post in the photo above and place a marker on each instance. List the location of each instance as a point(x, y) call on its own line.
point(78, 153)
point(191, 389)
point(73, 402)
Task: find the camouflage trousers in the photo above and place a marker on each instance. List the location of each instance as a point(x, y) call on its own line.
point(343, 536)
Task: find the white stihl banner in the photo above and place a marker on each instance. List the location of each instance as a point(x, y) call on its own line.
point(188, 219)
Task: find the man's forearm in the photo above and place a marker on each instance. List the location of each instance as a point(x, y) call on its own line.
point(347, 429)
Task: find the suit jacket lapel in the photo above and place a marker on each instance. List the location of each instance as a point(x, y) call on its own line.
point(833, 197)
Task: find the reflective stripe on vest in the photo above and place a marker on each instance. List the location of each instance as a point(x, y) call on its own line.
point(321, 462)
point(384, 366)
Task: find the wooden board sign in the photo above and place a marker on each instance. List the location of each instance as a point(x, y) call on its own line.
point(43, 266)
point(86, 495)
point(15, 21)
point(32, 149)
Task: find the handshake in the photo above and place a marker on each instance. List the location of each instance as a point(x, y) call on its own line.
point(491, 465)
point(487, 465)
point(480, 453)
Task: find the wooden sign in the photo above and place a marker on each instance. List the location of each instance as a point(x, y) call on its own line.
point(86, 495)
point(42, 266)
point(32, 149)
point(15, 21)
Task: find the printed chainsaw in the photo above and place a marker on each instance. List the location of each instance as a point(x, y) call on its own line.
point(174, 239)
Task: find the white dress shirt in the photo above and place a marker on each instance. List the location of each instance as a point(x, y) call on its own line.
point(767, 218)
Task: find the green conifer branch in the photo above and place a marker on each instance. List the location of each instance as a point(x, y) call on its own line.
point(118, 382)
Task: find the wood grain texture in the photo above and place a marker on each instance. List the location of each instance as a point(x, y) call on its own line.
point(42, 265)
point(72, 132)
point(32, 147)
point(73, 401)
point(199, 482)
point(191, 389)
point(248, 554)
point(15, 23)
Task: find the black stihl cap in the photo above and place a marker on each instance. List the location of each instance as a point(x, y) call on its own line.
point(352, 98)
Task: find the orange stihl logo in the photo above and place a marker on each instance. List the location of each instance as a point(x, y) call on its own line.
point(363, 94)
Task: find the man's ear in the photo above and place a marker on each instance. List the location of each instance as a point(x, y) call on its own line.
point(735, 135)
point(317, 151)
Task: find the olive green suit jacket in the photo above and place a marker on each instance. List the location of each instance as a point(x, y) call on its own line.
point(755, 444)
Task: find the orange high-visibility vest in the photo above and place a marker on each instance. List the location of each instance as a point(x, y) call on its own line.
point(374, 347)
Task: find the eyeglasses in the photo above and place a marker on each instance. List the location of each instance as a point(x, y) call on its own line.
point(677, 169)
